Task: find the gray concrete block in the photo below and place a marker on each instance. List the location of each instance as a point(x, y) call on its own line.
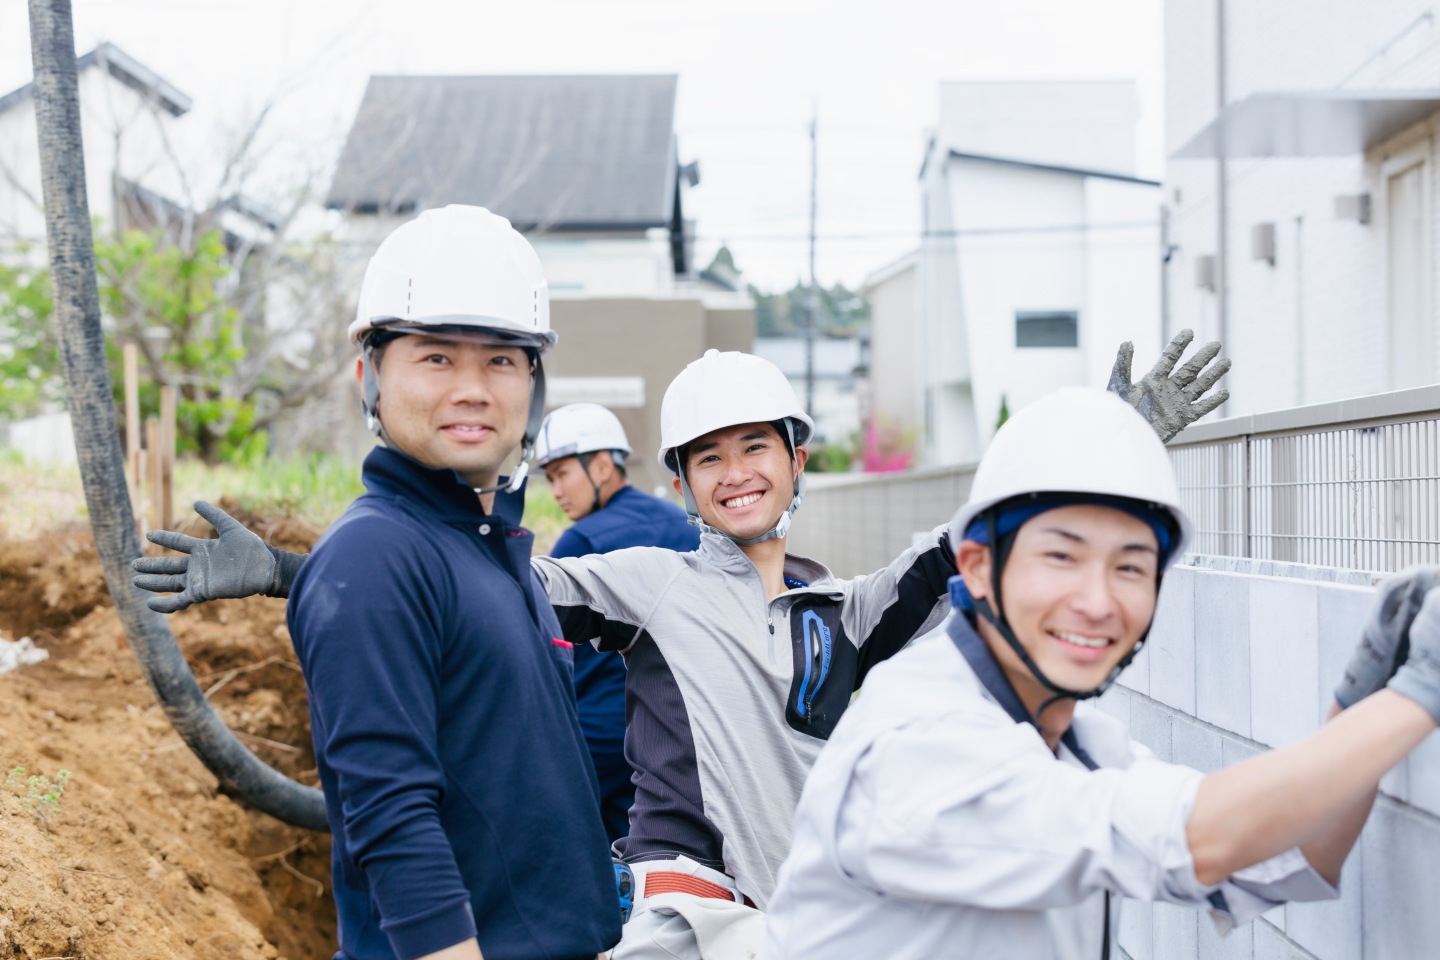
point(1284, 669)
point(1272, 944)
point(1222, 651)
point(1150, 725)
point(1175, 931)
point(1343, 610)
point(1422, 770)
point(1116, 702)
point(1330, 929)
point(1238, 944)
point(1172, 642)
point(1195, 746)
point(1234, 751)
point(1402, 848)
point(1134, 934)
point(1396, 783)
point(1137, 676)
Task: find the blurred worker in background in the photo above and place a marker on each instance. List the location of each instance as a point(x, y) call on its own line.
point(582, 449)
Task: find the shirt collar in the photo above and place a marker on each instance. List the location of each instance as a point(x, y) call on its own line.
point(440, 492)
point(987, 670)
point(725, 554)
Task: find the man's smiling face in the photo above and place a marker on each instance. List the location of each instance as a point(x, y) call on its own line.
point(454, 401)
point(1079, 589)
point(742, 477)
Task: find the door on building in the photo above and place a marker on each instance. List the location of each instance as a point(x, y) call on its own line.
point(1412, 327)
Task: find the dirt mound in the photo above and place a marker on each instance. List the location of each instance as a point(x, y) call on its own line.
point(142, 856)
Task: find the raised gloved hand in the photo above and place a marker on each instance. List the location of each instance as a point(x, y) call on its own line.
point(1171, 401)
point(1419, 676)
point(1385, 640)
point(238, 564)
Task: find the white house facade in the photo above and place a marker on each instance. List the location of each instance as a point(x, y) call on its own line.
point(128, 116)
point(1039, 254)
point(1301, 194)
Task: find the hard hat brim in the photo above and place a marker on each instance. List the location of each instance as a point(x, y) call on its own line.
point(498, 331)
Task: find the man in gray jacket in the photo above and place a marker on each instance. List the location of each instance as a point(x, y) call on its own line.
point(741, 658)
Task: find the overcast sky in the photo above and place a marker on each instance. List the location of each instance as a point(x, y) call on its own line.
point(749, 73)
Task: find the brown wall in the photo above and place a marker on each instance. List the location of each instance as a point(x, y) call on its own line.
point(653, 339)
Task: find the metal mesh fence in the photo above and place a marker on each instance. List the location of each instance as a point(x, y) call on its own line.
point(1352, 484)
point(1363, 496)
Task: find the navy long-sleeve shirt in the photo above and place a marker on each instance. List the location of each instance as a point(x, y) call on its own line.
point(630, 518)
point(457, 783)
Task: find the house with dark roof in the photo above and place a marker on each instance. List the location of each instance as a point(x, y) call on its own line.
point(588, 169)
point(586, 166)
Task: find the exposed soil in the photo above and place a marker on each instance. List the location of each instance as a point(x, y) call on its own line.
point(144, 857)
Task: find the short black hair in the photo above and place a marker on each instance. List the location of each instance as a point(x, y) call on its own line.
point(375, 342)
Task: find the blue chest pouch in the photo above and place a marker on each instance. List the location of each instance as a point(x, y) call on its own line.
point(825, 668)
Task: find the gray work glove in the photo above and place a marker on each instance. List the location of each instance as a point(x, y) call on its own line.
point(1419, 676)
point(1171, 401)
point(238, 564)
point(1385, 640)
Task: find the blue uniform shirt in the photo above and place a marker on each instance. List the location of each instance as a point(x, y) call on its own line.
point(630, 518)
point(457, 783)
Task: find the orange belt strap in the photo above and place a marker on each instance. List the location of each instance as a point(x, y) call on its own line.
point(658, 882)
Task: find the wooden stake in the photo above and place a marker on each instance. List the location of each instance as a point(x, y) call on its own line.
point(132, 428)
point(167, 457)
point(156, 463)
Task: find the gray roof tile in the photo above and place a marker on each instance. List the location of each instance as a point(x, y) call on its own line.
point(547, 151)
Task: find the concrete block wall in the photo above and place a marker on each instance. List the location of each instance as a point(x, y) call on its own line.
point(1243, 658)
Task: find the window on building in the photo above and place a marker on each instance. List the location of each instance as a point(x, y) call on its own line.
point(1047, 328)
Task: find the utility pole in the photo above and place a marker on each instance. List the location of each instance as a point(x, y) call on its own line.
point(1222, 190)
point(97, 441)
point(810, 299)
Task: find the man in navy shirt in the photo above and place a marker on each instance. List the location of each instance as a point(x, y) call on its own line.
point(582, 448)
point(456, 779)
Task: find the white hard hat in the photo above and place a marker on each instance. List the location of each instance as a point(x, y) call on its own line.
point(725, 390)
point(1076, 440)
point(456, 266)
point(576, 429)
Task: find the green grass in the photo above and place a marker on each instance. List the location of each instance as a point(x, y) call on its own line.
point(316, 488)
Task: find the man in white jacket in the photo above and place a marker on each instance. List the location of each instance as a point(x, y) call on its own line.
point(969, 806)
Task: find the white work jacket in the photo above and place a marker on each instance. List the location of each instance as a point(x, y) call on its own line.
point(936, 826)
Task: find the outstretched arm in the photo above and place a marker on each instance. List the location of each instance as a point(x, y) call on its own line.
point(1172, 401)
point(1313, 793)
point(237, 564)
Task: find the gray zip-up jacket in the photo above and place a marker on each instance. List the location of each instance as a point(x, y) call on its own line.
point(729, 698)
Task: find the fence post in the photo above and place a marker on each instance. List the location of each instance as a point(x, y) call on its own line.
point(132, 429)
point(1245, 499)
point(167, 457)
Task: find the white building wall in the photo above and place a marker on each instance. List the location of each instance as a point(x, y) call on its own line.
point(1122, 279)
point(633, 266)
point(1314, 326)
point(1005, 272)
point(894, 346)
point(942, 356)
point(123, 133)
point(575, 265)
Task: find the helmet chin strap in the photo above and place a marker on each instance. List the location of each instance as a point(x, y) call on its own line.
point(782, 526)
point(584, 460)
point(370, 401)
point(995, 615)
